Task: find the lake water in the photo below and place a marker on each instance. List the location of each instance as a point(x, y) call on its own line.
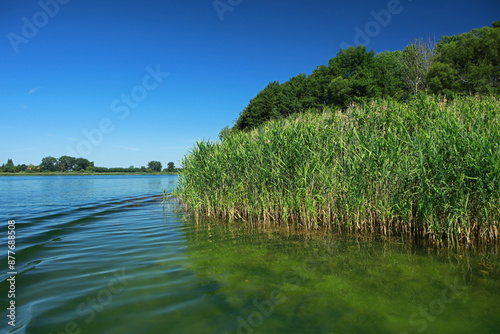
point(100, 254)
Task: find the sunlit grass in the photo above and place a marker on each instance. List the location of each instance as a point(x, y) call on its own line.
point(426, 168)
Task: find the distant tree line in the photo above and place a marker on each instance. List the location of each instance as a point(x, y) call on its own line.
point(468, 63)
point(65, 164)
point(70, 164)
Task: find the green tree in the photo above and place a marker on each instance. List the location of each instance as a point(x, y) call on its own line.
point(443, 80)
point(224, 133)
point(66, 163)
point(82, 164)
point(49, 164)
point(340, 91)
point(349, 75)
point(155, 166)
point(297, 96)
point(475, 56)
point(9, 169)
point(354, 76)
point(388, 74)
point(90, 169)
point(266, 105)
point(171, 167)
point(468, 62)
point(351, 61)
point(318, 81)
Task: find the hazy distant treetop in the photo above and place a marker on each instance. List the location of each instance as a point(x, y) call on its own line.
point(155, 166)
point(171, 167)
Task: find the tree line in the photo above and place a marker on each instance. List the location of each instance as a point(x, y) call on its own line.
point(71, 164)
point(464, 64)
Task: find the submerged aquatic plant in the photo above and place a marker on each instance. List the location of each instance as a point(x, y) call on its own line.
point(426, 168)
point(164, 198)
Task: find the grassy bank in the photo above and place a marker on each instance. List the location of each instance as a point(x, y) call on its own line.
point(427, 169)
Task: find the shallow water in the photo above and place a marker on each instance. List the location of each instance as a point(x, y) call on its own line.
point(100, 254)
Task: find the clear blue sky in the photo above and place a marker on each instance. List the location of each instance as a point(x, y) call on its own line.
point(84, 66)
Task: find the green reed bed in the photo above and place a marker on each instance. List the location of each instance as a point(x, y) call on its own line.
point(426, 168)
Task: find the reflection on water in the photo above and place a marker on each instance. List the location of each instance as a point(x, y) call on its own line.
point(100, 255)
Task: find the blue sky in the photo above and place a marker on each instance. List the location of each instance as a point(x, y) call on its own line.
point(125, 82)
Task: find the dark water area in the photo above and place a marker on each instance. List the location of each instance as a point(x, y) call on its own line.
point(101, 254)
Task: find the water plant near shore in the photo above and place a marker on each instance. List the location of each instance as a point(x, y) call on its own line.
point(427, 168)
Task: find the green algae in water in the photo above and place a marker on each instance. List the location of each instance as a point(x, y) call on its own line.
point(188, 277)
point(272, 282)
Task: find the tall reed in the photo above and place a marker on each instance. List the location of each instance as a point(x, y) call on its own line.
point(426, 168)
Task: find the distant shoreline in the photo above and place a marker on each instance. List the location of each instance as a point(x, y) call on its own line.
point(83, 174)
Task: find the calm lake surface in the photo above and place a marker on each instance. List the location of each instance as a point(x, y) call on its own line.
point(100, 254)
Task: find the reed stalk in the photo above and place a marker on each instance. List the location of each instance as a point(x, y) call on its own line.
point(427, 168)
